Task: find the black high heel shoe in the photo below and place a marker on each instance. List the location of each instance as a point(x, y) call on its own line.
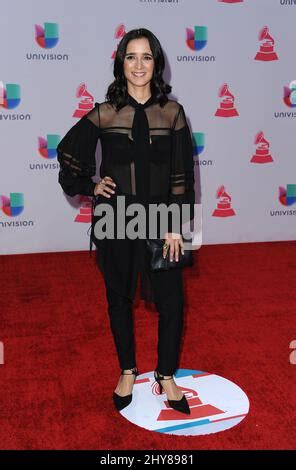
point(178, 405)
point(123, 402)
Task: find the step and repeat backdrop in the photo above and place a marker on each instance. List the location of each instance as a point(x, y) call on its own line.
point(232, 66)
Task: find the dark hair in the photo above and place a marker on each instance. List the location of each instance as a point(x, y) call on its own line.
point(117, 90)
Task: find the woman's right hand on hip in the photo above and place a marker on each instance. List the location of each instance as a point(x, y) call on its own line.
point(104, 187)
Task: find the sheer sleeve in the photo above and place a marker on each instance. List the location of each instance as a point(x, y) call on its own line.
point(76, 155)
point(182, 168)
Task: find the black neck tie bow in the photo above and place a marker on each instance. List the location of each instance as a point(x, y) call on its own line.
point(141, 139)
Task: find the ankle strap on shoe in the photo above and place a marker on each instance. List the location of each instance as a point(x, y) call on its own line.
point(161, 377)
point(134, 371)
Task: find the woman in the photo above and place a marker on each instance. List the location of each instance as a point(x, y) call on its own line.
point(147, 158)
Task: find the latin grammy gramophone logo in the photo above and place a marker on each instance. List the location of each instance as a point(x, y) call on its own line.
point(198, 409)
point(86, 101)
point(215, 403)
point(223, 208)
point(85, 211)
point(266, 52)
point(262, 154)
point(119, 33)
point(226, 108)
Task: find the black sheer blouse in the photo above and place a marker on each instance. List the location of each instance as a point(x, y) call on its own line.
point(137, 140)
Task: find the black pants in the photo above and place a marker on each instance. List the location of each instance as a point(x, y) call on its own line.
point(169, 302)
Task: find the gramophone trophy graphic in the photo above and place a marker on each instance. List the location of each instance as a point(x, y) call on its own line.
point(86, 102)
point(85, 211)
point(224, 208)
point(262, 154)
point(266, 52)
point(119, 33)
point(198, 409)
point(226, 108)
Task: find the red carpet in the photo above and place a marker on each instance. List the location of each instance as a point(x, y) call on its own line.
point(60, 364)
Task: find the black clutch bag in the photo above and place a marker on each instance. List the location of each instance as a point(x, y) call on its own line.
point(156, 260)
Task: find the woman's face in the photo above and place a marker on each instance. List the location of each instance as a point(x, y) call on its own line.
point(138, 63)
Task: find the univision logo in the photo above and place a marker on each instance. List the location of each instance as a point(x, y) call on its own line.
point(10, 95)
point(287, 197)
point(290, 95)
point(10, 98)
point(198, 147)
point(289, 100)
point(47, 37)
point(196, 40)
point(47, 149)
point(198, 143)
point(286, 3)
point(13, 206)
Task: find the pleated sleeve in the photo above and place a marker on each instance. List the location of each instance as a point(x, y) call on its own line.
point(76, 155)
point(182, 169)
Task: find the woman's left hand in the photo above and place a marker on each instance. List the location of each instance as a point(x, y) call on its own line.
point(172, 246)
